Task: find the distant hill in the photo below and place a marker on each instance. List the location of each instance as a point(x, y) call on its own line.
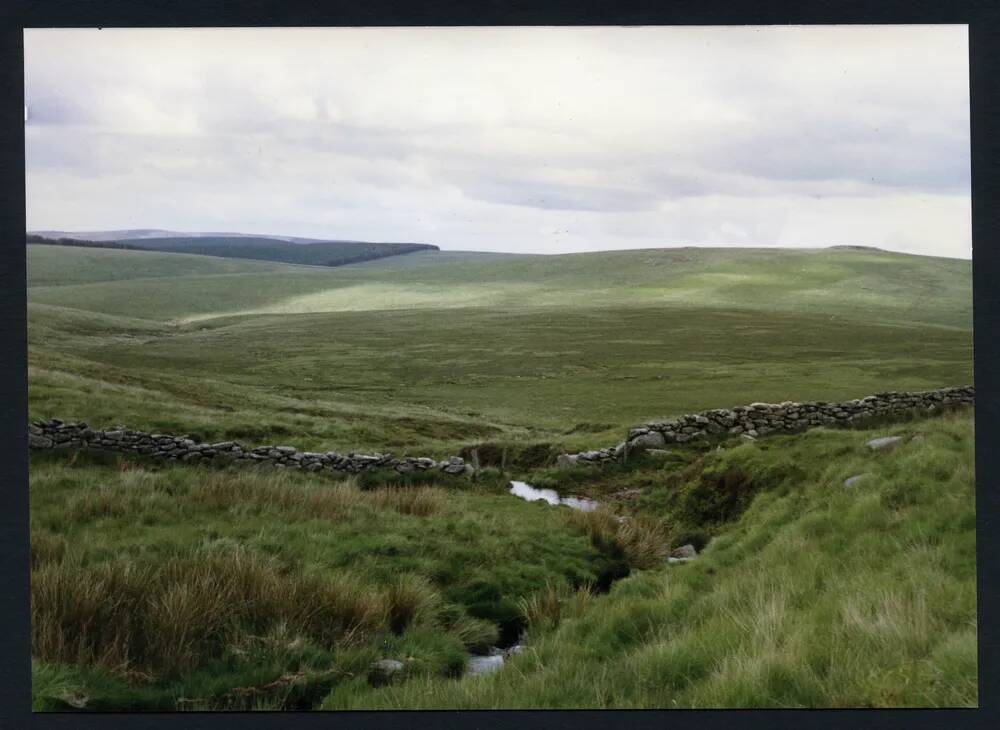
point(130, 233)
point(855, 247)
point(326, 253)
point(438, 258)
point(864, 285)
point(319, 253)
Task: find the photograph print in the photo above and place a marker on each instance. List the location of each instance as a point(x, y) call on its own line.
point(489, 368)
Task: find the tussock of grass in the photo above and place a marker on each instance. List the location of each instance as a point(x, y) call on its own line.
point(411, 598)
point(545, 609)
point(476, 634)
point(420, 501)
point(641, 539)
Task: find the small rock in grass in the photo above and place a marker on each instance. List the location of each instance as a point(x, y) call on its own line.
point(851, 481)
point(382, 671)
point(684, 552)
point(565, 461)
point(884, 443)
point(74, 698)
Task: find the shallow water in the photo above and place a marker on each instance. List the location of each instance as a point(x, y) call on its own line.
point(485, 664)
point(533, 494)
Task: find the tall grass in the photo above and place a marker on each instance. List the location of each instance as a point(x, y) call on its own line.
point(545, 609)
point(169, 617)
point(642, 539)
point(180, 588)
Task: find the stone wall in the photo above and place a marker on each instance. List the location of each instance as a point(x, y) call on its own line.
point(760, 419)
point(56, 434)
point(752, 421)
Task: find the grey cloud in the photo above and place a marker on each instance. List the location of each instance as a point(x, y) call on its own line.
point(812, 151)
point(554, 196)
point(613, 135)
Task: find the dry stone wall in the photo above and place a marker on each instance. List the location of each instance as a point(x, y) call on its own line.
point(752, 421)
point(57, 434)
point(760, 419)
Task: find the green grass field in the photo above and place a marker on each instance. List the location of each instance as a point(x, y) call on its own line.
point(162, 587)
point(564, 349)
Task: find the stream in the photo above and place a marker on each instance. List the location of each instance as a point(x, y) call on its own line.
point(533, 494)
point(486, 663)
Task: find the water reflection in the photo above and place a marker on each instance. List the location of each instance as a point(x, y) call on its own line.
point(532, 494)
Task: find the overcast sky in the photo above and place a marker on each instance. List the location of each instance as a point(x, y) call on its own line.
point(543, 140)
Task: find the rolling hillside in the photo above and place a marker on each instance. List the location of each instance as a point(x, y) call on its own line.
point(122, 234)
point(324, 253)
point(279, 589)
point(565, 348)
point(318, 253)
point(870, 286)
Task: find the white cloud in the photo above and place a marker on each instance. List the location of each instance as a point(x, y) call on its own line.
point(528, 139)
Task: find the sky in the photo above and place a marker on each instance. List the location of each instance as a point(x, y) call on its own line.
point(540, 139)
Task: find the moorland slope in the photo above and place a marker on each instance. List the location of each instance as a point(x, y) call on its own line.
point(571, 348)
point(264, 590)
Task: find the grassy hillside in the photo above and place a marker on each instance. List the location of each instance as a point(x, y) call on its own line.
point(158, 587)
point(191, 588)
point(436, 258)
point(566, 350)
point(309, 253)
point(63, 266)
point(151, 584)
point(873, 286)
point(818, 596)
point(130, 233)
point(326, 253)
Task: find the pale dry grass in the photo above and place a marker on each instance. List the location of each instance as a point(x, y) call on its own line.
point(176, 614)
point(642, 539)
point(545, 609)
